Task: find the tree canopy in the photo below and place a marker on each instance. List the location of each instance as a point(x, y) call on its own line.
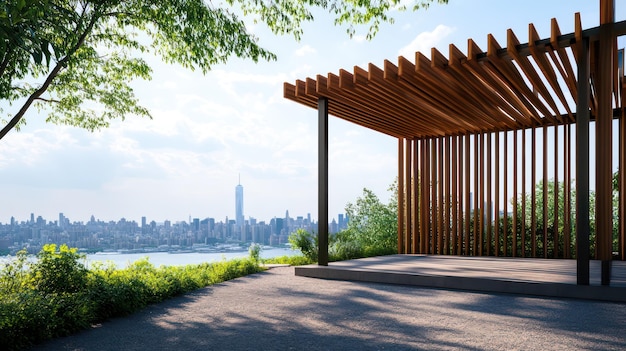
point(76, 58)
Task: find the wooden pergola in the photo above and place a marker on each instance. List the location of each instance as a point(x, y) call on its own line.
point(471, 125)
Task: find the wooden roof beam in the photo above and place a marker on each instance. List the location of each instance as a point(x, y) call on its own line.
point(547, 69)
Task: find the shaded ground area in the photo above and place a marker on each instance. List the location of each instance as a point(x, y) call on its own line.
point(276, 310)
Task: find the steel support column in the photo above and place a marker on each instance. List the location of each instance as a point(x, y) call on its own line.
point(582, 166)
point(322, 179)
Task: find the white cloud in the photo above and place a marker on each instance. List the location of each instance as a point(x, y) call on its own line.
point(425, 41)
point(305, 50)
point(359, 38)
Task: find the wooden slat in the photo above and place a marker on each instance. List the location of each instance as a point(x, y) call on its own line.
point(481, 194)
point(515, 184)
point(447, 195)
point(466, 248)
point(475, 193)
point(523, 196)
point(415, 186)
point(455, 197)
point(433, 195)
point(555, 205)
point(504, 191)
point(497, 197)
point(402, 234)
point(441, 233)
point(461, 211)
point(489, 209)
point(545, 191)
point(533, 192)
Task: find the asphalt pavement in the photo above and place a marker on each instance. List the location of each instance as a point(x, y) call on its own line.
point(275, 310)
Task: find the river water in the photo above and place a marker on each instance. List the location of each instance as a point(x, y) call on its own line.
point(122, 260)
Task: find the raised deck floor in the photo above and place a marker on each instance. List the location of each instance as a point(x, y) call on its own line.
point(541, 277)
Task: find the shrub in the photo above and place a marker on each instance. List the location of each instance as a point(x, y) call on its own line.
point(56, 295)
point(254, 252)
point(305, 242)
point(296, 260)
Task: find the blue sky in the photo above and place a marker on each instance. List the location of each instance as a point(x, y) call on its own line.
point(209, 129)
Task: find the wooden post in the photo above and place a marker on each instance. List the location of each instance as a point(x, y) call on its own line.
point(604, 121)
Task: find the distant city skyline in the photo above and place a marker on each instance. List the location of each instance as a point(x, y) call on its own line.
point(122, 235)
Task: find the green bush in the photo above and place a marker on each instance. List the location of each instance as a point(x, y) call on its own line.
point(305, 242)
point(296, 260)
point(56, 295)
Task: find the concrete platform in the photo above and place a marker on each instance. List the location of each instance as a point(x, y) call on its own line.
point(540, 277)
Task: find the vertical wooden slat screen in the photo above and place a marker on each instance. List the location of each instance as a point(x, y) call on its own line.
point(455, 194)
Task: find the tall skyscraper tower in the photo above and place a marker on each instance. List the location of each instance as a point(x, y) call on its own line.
point(239, 203)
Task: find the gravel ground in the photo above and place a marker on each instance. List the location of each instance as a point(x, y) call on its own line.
point(275, 310)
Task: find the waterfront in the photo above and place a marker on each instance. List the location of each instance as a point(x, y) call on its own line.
point(122, 260)
point(176, 258)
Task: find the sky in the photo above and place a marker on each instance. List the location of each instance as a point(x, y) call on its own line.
point(209, 131)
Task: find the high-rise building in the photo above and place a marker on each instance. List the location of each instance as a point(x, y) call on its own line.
point(239, 203)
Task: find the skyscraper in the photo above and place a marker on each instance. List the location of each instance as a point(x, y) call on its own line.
point(239, 203)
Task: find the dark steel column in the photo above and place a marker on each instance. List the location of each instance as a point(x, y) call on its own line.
point(582, 166)
point(322, 179)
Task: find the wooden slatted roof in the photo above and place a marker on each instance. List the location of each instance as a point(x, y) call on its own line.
point(514, 87)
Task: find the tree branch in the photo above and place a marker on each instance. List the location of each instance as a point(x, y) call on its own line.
point(47, 100)
point(51, 76)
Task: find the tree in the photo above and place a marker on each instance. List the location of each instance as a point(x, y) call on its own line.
point(76, 58)
point(372, 228)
